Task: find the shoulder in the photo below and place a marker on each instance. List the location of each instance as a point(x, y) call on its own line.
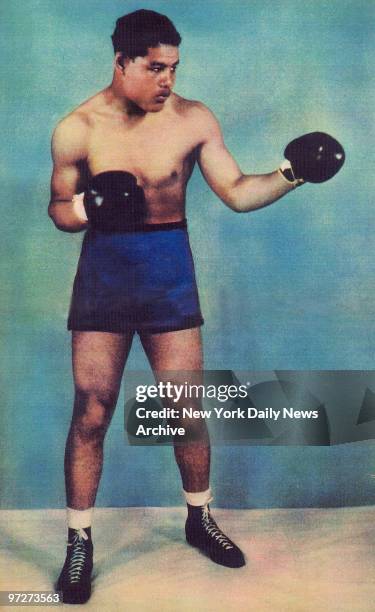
point(200, 116)
point(71, 131)
point(70, 136)
point(74, 128)
point(193, 108)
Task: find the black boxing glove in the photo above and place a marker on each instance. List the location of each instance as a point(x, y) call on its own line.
point(314, 158)
point(114, 202)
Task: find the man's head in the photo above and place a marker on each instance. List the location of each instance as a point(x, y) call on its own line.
point(146, 55)
point(135, 33)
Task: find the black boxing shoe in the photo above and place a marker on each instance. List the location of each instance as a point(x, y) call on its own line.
point(75, 579)
point(203, 533)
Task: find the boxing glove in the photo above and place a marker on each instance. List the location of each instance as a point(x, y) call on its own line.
point(314, 158)
point(114, 202)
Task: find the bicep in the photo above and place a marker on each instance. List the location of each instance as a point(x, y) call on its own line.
point(67, 159)
point(217, 165)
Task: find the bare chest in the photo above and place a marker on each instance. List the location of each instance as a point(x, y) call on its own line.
point(157, 154)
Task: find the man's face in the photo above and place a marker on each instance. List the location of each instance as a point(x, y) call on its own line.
point(148, 81)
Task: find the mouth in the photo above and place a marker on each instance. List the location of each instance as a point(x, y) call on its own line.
point(163, 96)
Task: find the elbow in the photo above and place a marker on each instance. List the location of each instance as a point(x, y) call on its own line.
point(52, 215)
point(235, 206)
point(64, 223)
point(234, 203)
point(232, 197)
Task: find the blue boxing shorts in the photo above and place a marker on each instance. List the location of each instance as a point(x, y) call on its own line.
point(140, 280)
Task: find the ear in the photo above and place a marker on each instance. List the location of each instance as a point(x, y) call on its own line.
point(119, 62)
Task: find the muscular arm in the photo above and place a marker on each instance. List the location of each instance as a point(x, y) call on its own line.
point(241, 192)
point(68, 152)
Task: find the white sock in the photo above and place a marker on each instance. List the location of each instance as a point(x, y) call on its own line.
point(202, 498)
point(79, 519)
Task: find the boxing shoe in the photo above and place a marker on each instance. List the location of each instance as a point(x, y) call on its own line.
point(75, 579)
point(203, 533)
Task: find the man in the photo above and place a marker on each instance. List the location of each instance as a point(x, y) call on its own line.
point(131, 149)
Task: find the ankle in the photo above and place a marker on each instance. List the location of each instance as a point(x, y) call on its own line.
point(79, 519)
point(199, 498)
point(72, 531)
point(195, 513)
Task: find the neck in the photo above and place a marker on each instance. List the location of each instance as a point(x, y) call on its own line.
point(119, 103)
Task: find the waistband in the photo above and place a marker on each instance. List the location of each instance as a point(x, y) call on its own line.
point(147, 227)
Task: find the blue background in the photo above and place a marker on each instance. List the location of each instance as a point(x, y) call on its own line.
point(287, 287)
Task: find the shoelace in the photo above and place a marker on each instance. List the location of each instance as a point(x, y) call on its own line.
point(213, 530)
point(77, 560)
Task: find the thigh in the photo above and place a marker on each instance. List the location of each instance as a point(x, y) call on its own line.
point(177, 357)
point(98, 361)
point(177, 350)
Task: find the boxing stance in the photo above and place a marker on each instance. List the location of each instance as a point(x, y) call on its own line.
point(122, 161)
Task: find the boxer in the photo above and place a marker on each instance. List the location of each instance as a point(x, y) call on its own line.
point(122, 161)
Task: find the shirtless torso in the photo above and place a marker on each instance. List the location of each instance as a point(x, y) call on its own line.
point(157, 136)
point(160, 149)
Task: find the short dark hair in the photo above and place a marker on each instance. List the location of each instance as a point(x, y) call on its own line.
point(136, 32)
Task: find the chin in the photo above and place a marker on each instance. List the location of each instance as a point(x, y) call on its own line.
point(149, 108)
point(155, 107)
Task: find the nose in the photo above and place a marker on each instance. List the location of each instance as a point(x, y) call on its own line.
point(167, 79)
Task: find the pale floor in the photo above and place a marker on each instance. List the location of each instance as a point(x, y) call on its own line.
point(297, 560)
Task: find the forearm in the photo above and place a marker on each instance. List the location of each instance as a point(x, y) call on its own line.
point(68, 216)
point(251, 192)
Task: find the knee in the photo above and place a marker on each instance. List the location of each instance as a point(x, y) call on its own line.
point(92, 412)
point(195, 430)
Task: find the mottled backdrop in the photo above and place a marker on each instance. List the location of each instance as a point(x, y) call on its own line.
point(287, 287)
